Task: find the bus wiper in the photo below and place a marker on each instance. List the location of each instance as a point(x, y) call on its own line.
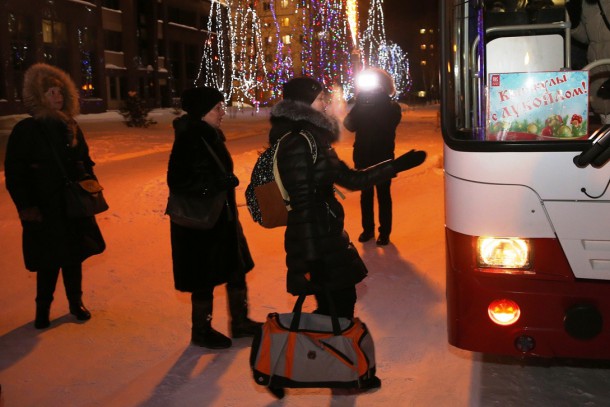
point(599, 153)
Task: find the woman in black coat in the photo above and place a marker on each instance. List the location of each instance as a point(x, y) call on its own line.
point(203, 259)
point(51, 240)
point(319, 255)
point(374, 118)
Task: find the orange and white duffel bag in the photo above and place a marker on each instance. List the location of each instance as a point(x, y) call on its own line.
point(298, 350)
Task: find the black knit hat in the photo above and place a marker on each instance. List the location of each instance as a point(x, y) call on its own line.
point(199, 101)
point(302, 89)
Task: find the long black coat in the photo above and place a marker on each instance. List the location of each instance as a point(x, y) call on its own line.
point(318, 250)
point(204, 258)
point(374, 118)
point(34, 179)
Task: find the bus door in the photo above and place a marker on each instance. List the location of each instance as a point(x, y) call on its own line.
point(527, 210)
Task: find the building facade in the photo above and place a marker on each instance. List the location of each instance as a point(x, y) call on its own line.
point(109, 47)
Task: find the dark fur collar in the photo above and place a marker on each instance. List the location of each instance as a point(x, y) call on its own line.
point(295, 111)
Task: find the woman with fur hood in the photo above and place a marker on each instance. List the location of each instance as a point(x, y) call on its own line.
point(51, 241)
point(320, 258)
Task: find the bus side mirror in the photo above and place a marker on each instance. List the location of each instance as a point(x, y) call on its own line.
point(599, 153)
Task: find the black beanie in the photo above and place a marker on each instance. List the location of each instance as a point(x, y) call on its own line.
point(302, 89)
point(198, 102)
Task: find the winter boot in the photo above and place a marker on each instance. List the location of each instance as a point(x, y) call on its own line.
point(241, 325)
point(202, 333)
point(42, 316)
point(77, 308)
point(73, 278)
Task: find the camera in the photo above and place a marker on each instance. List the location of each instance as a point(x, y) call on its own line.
point(369, 98)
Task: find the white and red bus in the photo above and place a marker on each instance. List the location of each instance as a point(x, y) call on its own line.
point(527, 204)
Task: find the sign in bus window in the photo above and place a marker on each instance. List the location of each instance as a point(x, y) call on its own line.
point(538, 106)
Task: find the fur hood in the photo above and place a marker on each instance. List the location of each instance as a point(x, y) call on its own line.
point(295, 112)
point(33, 93)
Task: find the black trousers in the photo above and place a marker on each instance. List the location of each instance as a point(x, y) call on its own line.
point(343, 299)
point(237, 281)
point(46, 280)
point(384, 200)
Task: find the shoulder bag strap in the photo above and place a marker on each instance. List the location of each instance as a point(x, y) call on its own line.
point(214, 156)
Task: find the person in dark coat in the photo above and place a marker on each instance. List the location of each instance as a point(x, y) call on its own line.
point(203, 259)
point(51, 241)
point(320, 258)
point(374, 118)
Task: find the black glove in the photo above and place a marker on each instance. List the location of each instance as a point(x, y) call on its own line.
point(227, 182)
point(409, 160)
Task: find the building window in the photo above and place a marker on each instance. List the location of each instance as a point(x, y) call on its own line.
point(422, 47)
point(286, 39)
point(423, 63)
point(112, 4)
point(286, 22)
point(266, 6)
point(22, 44)
point(183, 17)
point(88, 68)
point(54, 32)
point(55, 44)
point(113, 40)
point(285, 3)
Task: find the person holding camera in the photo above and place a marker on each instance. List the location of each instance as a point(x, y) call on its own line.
point(374, 119)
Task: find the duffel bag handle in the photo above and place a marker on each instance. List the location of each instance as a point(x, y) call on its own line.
point(296, 311)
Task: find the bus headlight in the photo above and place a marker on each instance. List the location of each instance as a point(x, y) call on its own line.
point(504, 312)
point(503, 252)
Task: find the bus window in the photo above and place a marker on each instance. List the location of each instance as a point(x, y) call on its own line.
point(509, 77)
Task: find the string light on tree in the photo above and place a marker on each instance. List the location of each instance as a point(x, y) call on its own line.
point(283, 67)
point(216, 68)
point(249, 71)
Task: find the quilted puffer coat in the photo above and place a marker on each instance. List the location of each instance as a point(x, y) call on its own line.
point(318, 250)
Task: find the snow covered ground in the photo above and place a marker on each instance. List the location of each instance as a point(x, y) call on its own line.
point(135, 350)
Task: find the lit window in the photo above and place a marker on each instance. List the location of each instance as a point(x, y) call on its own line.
point(285, 3)
point(286, 39)
point(423, 63)
point(422, 31)
point(285, 22)
point(422, 47)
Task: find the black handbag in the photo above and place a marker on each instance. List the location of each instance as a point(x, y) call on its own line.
point(83, 198)
point(197, 212)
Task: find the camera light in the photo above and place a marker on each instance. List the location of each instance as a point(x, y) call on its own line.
point(367, 81)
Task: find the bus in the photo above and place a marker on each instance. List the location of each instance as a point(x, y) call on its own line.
point(527, 205)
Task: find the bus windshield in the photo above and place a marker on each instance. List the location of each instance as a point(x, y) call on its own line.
point(507, 74)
